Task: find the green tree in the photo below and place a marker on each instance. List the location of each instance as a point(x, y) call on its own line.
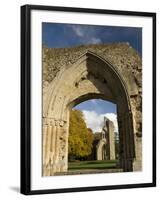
point(80, 137)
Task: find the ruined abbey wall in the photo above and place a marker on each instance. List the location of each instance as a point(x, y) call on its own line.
point(73, 75)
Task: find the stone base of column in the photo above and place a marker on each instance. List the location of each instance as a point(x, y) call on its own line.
point(137, 165)
point(51, 169)
point(126, 165)
point(46, 170)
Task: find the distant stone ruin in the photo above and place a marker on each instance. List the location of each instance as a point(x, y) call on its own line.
point(106, 145)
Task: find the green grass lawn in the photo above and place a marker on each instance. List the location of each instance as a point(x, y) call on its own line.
point(95, 164)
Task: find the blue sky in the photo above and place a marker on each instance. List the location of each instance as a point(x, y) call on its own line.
point(100, 106)
point(95, 110)
point(56, 35)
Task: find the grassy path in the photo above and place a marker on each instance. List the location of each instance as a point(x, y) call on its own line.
point(97, 164)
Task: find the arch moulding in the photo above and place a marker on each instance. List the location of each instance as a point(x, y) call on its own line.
point(90, 76)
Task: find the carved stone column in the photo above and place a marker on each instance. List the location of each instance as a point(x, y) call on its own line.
point(111, 140)
point(55, 151)
point(62, 147)
point(99, 149)
point(48, 152)
point(137, 115)
point(127, 153)
point(137, 164)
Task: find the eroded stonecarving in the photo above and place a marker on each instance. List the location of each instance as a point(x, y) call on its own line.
point(89, 74)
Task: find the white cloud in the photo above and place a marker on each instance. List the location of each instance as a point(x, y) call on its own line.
point(79, 30)
point(95, 121)
point(94, 40)
point(94, 101)
point(87, 34)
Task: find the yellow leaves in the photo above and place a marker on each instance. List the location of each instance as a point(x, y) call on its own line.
point(80, 138)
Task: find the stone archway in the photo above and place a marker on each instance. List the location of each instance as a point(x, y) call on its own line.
point(101, 149)
point(90, 76)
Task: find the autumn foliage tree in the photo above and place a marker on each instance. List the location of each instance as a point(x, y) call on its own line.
point(80, 137)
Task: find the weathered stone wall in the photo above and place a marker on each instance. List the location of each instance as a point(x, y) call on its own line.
point(106, 145)
point(73, 75)
point(111, 140)
point(122, 55)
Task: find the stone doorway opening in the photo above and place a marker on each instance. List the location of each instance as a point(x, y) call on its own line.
point(90, 77)
point(93, 137)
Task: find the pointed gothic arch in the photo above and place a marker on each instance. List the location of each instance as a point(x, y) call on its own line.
point(91, 76)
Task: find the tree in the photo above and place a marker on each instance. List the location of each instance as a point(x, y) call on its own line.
point(80, 137)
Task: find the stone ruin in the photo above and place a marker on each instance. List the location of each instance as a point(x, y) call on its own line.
point(110, 72)
point(105, 149)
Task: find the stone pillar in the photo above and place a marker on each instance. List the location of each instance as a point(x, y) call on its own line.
point(55, 152)
point(137, 163)
point(136, 102)
point(62, 150)
point(111, 140)
point(127, 152)
point(48, 151)
point(100, 149)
